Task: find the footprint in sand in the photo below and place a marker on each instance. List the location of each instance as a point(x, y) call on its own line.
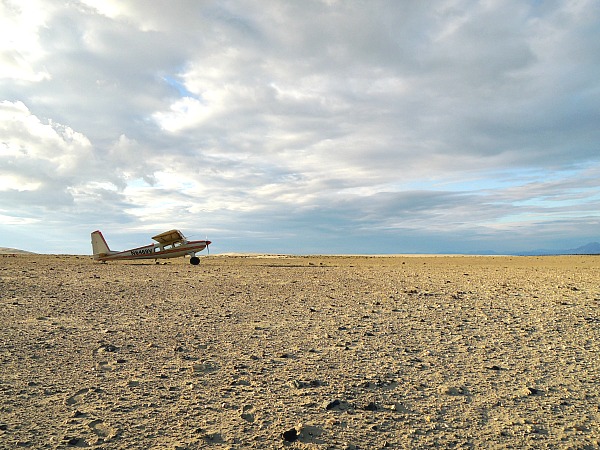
point(77, 397)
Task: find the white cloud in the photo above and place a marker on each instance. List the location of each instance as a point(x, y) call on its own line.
point(184, 113)
point(40, 150)
point(272, 118)
point(20, 47)
point(108, 8)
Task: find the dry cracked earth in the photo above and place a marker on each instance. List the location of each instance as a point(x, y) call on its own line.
point(286, 352)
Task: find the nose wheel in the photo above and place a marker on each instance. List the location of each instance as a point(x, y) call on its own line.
point(194, 260)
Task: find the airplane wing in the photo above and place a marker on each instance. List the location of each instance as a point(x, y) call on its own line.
point(169, 237)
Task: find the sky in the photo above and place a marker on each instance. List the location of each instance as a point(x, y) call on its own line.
point(301, 126)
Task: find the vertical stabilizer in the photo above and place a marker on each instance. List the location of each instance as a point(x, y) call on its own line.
point(99, 245)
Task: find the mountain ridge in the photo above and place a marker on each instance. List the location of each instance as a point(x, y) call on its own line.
point(591, 248)
point(13, 251)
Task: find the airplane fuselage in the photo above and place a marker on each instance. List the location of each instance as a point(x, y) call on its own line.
point(156, 252)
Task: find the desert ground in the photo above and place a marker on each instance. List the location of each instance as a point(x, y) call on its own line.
point(315, 352)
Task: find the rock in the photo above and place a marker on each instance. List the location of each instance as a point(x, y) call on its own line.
point(371, 406)
point(214, 437)
point(454, 390)
point(298, 384)
point(290, 435)
point(399, 407)
point(109, 348)
point(205, 367)
point(247, 413)
point(336, 405)
point(332, 404)
point(73, 441)
point(533, 391)
point(528, 391)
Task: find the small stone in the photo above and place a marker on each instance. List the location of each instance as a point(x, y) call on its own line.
point(297, 384)
point(399, 407)
point(107, 348)
point(332, 404)
point(533, 391)
point(247, 416)
point(454, 390)
point(290, 435)
point(371, 406)
point(205, 367)
point(73, 441)
point(528, 391)
point(336, 405)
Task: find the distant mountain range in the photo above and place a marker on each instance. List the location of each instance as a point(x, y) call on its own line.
point(593, 248)
point(12, 251)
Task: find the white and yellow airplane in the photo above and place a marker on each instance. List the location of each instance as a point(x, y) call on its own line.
point(170, 244)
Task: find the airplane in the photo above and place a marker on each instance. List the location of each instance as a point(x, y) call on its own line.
point(170, 244)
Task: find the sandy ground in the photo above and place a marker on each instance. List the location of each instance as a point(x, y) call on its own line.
point(300, 353)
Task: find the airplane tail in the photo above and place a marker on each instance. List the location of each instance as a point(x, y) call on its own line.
point(99, 245)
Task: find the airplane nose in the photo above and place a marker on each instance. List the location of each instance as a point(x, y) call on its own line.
point(208, 243)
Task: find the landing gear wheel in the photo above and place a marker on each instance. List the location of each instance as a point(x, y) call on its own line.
point(194, 260)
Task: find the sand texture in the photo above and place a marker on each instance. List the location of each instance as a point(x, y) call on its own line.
point(300, 353)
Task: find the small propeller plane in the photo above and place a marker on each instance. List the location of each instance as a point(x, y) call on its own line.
point(170, 244)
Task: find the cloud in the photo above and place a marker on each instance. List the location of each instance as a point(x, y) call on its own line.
point(39, 154)
point(408, 122)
